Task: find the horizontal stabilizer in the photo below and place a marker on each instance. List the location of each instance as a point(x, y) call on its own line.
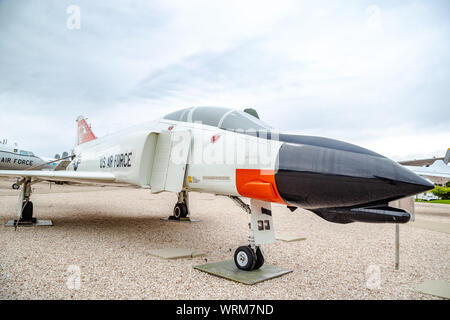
point(379, 214)
point(62, 165)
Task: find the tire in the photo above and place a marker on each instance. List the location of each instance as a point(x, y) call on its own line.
point(180, 210)
point(259, 259)
point(27, 213)
point(245, 258)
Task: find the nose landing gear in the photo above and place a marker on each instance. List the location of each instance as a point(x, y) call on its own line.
point(251, 257)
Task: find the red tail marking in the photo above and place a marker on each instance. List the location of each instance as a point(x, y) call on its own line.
point(85, 133)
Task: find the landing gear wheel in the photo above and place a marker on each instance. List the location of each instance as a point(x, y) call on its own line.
point(180, 210)
point(259, 259)
point(27, 213)
point(245, 258)
point(15, 186)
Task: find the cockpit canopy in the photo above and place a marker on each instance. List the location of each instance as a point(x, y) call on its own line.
point(25, 153)
point(223, 118)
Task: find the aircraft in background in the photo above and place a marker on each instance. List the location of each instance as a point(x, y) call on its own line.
point(435, 169)
point(231, 153)
point(13, 158)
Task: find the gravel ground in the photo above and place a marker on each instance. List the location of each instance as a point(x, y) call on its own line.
point(107, 232)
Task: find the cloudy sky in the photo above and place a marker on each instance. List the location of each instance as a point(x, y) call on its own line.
point(373, 73)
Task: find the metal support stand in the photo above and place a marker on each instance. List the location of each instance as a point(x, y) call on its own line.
point(397, 246)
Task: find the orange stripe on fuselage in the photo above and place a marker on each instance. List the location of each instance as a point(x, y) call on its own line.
point(257, 184)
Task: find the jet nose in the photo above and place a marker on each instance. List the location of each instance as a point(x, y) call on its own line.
point(312, 176)
point(409, 183)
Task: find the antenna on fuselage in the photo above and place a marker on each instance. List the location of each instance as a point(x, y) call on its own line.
point(252, 112)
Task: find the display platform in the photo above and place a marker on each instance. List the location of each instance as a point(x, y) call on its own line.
point(228, 270)
point(436, 288)
point(176, 253)
point(289, 237)
point(37, 223)
point(180, 220)
point(431, 225)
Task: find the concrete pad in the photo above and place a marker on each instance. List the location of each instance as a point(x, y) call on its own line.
point(289, 238)
point(436, 288)
point(38, 223)
point(228, 270)
point(432, 209)
point(431, 225)
point(181, 220)
point(176, 253)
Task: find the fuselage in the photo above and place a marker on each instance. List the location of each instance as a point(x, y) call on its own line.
point(308, 172)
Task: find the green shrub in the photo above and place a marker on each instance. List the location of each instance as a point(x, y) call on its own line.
point(442, 192)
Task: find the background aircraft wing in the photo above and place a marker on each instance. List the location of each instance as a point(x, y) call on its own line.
point(425, 171)
point(66, 176)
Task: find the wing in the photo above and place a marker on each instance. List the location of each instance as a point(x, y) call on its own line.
point(66, 176)
point(430, 173)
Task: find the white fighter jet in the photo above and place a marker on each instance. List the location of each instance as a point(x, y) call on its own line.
point(232, 153)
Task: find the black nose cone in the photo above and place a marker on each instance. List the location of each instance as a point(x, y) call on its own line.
point(327, 175)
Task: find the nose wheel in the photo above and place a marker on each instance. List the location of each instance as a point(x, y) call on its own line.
point(248, 259)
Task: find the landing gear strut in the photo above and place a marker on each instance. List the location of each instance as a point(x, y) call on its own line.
point(25, 206)
point(181, 209)
point(251, 257)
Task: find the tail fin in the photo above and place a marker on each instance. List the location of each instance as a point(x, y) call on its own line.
point(447, 156)
point(84, 132)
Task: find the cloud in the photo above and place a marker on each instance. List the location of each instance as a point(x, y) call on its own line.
point(371, 73)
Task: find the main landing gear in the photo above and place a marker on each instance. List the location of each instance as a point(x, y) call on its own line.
point(25, 206)
point(251, 257)
point(181, 209)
